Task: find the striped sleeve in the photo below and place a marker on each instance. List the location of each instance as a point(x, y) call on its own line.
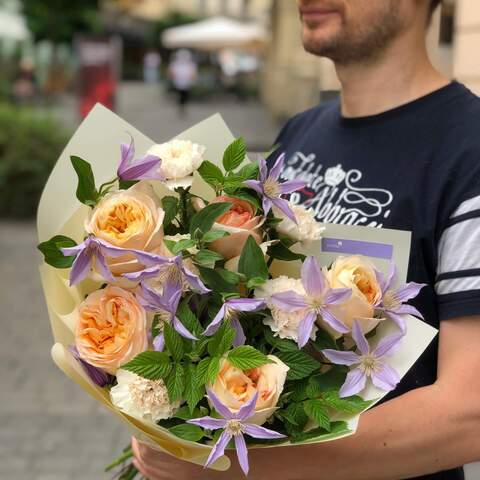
point(458, 269)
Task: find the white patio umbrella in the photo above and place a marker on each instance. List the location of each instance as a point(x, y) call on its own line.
point(213, 34)
point(12, 26)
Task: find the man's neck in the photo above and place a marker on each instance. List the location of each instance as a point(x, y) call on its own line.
point(402, 74)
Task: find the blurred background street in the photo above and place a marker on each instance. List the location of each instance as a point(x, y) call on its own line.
point(163, 65)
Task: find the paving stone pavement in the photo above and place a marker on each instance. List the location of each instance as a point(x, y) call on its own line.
point(50, 429)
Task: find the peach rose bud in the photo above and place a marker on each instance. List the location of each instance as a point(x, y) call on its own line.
point(111, 328)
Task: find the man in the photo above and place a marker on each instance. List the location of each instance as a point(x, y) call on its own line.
point(401, 149)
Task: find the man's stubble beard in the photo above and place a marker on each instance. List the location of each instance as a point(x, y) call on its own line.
point(361, 42)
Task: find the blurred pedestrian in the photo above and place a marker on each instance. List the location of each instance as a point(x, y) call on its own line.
point(152, 62)
point(24, 86)
point(183, 73)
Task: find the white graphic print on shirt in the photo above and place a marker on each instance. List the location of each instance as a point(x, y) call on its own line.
point(334, 195)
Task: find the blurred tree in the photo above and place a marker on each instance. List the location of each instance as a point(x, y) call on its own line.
point(173, 19)
point(59, 20)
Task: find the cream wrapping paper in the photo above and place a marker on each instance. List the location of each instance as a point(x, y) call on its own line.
point(97, 141)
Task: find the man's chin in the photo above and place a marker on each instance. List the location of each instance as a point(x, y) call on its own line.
point(318, 43)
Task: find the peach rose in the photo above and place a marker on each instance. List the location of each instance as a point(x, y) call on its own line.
point(240, 222)
point(111, 328)
point(358, 273)
point(234, 387)
point(129, 219)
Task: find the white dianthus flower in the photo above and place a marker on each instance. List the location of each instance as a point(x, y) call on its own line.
point(306, 228)
point(180, 158)
point(283, 324)
point(142, 398)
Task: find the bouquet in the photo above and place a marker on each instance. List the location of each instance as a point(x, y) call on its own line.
point(206, 320)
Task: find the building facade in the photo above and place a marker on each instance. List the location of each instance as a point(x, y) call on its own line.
point(294, 80)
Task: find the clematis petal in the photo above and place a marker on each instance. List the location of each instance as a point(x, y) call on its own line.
point(215, 323)
point(218, 449)
point(209, 423)
point(194, 281)
point(305, 328)
point(336, 296)
point(330, 319)
point(149, 272)
point(409, 310)
point(408, 291)
point(242, 453)
point(266, 205)
point(219, 406)
point(385, 377)
point(80, 267)
point(263, 170)
point(254, 185)
point(143, 169)
point(96, 375)
point(291, 186)
point(359, 338)
point(240, 337)
point(289, 301)
point(392, 274)
point(388, 345)
point(247, 409)
point(313, 279)
point(159, 342)
point(256, 431)
point(398, 319)
point(182, 330)
point(101, 266)
point(342, 358)
point(246, 304)
point(127, 152)
point(354, 383)
point(277, 168)
point(70, 251)
point(284, 206)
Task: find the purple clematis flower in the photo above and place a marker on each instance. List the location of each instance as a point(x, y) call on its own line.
point(96, 375)
point(271, 189)
point(91, 250)
point(316, 301)
point(234, 426)
point(230, 310)
point(167, 301)
point(392, 300)
point(145, 168)
point(167, 268)
point(369, 363)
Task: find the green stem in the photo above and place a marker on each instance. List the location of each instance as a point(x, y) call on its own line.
point(121, 459)
point(106, 184)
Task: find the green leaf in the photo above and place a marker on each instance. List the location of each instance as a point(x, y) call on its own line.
point(170, 207)
point(234, 154)
point(126, 184)
point(150, 365)
point(52, 254)
point(173, 342)
point(222, 340)
point(280, 251)
point(216, 281)
point(296, 418)
point(323, 340)
point(211, 174)
point(252, 261)
point(189, 319)
point(194, 389)
point(188, 432)
point(156, 330)
point(205, 218)
point(175, 382)
point(207, 258)
point(183, 244)
point(282, 344)
point(202, 370)
point(249, 171)
point(333, 379)
point(243, 194)
point(352, 405)
point(213, 369)
point(336, 429)
point(246, 357)
point(255, 282)
point(301, 364)
point(315, 409)
point(230, 277)
point(213, 235)
point(86, 191)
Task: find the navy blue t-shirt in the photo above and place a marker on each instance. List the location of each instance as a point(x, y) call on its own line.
point(415, 168)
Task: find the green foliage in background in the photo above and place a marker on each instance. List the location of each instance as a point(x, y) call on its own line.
point(30, 144)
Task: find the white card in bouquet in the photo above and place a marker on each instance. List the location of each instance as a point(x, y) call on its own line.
point(97, 140)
